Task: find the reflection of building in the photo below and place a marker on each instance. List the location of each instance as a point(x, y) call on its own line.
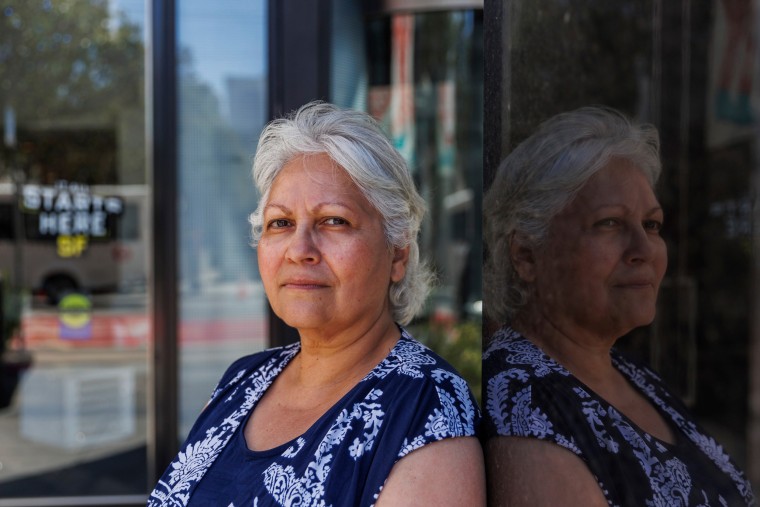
point(216, 76)
point(247, 113)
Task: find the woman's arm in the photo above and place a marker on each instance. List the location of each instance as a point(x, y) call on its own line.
point(531, 472)
point(448, 472)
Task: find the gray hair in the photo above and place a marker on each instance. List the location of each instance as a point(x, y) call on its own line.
point(356, 143)
point(542, 176)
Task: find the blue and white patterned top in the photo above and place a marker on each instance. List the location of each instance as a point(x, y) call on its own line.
point(530, 395)
point(410, 399)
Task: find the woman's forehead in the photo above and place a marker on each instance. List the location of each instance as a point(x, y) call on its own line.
point(318, 179)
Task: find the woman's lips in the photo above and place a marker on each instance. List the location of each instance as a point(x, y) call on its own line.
point(304, 284)
point(635, 284)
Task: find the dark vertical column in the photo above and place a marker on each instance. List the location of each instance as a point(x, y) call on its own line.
point(494, 87)
point(495, 101)
point(299, 72)
point(162, 143)
point(299, 53)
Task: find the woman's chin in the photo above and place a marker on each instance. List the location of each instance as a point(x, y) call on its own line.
point(304, 317)
point(304, 321)
point(636, 320)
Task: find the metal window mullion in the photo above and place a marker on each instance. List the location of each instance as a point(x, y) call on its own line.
point(162, 143)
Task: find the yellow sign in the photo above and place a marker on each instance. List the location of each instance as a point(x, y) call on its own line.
point(71, 246)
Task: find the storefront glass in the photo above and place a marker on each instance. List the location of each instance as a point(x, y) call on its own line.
point(424, 83)
point(690, 68)
point(222, 96)
point(74, 252)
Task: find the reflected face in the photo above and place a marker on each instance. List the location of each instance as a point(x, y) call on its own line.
point(323, 256)
point(601, 267)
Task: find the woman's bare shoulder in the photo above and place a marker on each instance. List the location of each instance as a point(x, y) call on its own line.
point(531, 472)
point(449, 472)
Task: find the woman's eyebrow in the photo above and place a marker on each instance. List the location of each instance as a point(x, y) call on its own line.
point(280, 207)
point(326, 204)
point(317, 207)
point(602, 207)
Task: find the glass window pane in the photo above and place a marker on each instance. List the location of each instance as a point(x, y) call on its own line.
point(75, 217)
point(222, 108)
point(689, 68)
point(426, 87)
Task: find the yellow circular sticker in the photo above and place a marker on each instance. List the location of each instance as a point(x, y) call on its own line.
point(75, 310)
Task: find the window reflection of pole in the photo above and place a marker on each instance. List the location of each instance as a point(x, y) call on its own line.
point(10, 127)
point(10, 141)
point(18, 225)
point(17, 234)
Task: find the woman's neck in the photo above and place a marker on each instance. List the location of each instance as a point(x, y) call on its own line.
point(322, 373)
point(587, 357)
point(583, 353)
point(342, 357)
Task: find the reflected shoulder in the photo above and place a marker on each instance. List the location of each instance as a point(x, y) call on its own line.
point(531, 472)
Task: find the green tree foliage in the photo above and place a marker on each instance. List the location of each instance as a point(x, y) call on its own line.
point(63, 57)
point(459, 344)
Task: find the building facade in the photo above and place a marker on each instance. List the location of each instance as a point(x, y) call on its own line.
point(128, 281)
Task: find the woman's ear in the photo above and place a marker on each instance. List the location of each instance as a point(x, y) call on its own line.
point(523, 257)
point(398, 267)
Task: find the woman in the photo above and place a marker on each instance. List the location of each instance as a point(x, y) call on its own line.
point(357, 412)
point(573, 229)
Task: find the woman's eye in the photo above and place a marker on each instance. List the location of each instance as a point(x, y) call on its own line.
point(335, 221)
point(278, 223)
point(653, 225)
point(607, 222)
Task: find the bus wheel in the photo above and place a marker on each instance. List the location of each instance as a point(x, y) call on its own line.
point(57, 286)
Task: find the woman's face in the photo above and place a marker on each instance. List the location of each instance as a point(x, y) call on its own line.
point(604, 259)
point(323, 256)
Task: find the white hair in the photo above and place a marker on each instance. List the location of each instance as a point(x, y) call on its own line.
point(356, 143)
point(542, 176)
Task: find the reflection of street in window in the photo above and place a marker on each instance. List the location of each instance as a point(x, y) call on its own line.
point(71, 246)
point(70, 209)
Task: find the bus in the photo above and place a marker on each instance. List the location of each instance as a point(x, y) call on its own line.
point(71, 237)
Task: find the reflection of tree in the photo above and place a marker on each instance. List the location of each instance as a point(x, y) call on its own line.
point(65, 57)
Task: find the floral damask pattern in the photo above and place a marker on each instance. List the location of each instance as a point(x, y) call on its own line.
point(191, 464)
point(300, 473)
point(706, 443)
point(286, 488)
point(528, 394)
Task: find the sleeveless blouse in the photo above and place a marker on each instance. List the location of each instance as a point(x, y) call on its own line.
point(410, 399)
point(528, 394)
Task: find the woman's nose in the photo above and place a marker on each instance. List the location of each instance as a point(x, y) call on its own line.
point(640, 247)
point(302, 246)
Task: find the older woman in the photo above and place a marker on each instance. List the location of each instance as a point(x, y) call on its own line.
point(357, 412)
point(573, 229)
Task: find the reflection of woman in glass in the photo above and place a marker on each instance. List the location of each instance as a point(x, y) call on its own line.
point(573, 228)
point(357, 412)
